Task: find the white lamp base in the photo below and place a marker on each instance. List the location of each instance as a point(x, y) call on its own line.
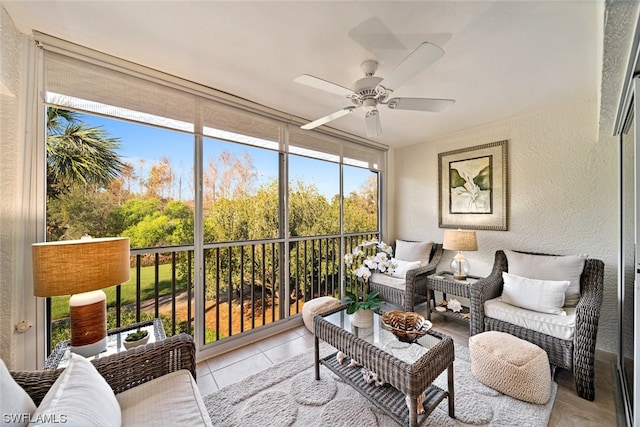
point(90, 349)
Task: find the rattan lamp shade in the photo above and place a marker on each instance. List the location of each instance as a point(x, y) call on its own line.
point(75, 266)
point(81, 268)
point(459, 240)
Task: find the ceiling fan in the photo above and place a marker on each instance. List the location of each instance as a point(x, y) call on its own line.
point(371, 91)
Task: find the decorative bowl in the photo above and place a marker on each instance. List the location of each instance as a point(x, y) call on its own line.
point(407, 326)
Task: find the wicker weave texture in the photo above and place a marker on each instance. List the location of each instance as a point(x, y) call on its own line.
point(410, 379)
point(415, 290)
point(577, 355)
point(123, 370)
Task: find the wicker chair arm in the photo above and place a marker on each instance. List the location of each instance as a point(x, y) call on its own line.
point(587, 316)
point(416, 279)
point(428, 268)
point(123, 370)
point(485, 289)
point(588, 307)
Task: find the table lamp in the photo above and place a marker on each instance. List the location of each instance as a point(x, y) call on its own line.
point(459, 240)
point(82, 268)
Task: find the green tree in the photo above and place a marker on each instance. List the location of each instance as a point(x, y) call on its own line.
point(361, 208)
point(78, 212)
point(78, 155)
point(310, 213)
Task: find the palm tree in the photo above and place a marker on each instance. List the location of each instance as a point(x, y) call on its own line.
point(78, 155)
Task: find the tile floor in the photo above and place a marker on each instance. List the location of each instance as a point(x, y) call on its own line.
point(569, 410)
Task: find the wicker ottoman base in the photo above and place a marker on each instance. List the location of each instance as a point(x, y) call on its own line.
point(317, 306)
point(511, 366)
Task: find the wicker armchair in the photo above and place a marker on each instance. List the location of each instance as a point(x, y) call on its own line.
point(577, 355)
point(414, 290)
point(123, 370)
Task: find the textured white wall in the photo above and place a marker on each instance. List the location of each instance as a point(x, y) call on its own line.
point(562, 194)
point(9, 189)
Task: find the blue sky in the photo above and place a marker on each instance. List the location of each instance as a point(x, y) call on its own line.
point(151, 144)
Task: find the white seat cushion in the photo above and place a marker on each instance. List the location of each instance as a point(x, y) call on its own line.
point(558, 326)
point(171, 400)
point(387, 280)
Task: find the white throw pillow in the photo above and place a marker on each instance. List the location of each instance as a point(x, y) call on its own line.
point(403, 267)
point(544, 296)
point(79, 397)
point(548, 267)
point(413, 251)
point(16, 405)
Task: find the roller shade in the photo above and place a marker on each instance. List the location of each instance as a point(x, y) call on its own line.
point(85, 86)
point(84, 80)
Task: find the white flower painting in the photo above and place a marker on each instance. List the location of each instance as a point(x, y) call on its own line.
point(470, 185)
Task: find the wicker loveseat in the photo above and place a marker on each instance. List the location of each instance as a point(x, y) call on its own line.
point(412, 289)
point(154, 384)
point(576, 354)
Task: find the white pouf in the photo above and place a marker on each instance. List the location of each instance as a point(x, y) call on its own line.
point(511, 366)
point(317, 306)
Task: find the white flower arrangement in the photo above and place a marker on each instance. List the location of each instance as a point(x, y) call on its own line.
point(362, 266)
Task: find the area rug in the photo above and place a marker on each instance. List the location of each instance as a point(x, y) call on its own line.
point(287, 394)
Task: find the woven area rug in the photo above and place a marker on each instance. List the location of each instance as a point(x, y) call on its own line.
point(288, 395)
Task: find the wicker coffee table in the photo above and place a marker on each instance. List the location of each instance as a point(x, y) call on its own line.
point(409, 369)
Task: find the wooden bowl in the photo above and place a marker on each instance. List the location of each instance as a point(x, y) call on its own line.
point(407, 326)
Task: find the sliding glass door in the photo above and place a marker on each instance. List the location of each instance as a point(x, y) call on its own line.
point(628, 263)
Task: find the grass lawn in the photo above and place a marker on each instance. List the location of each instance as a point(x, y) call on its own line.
point(60, 305)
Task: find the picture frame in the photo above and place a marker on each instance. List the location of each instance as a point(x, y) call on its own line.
point(473, 187)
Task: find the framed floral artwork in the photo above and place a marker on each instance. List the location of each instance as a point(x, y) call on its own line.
point(473, 187)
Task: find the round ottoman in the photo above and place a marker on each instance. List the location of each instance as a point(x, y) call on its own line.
point(317, 306)
point(511, 366)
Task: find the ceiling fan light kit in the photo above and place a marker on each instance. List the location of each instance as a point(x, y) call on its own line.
point(371, 91)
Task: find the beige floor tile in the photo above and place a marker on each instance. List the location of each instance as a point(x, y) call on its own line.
point(289, 349)
point(238, 371)
point(202, 368)
point(226, 359)
point(206, 384)
point(277, 340)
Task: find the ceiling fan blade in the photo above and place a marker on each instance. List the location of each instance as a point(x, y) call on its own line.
point(372, 123)
point(421, 104)
point(327, 119)
point(324, 85)
point(423, 56)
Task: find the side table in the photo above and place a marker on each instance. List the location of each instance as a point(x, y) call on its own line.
point(444, 282)
point(61, 354)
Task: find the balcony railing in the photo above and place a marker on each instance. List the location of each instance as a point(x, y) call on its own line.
point(244, 285)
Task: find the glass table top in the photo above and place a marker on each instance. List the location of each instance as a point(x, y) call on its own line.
point(384, 339)
point(62, 353)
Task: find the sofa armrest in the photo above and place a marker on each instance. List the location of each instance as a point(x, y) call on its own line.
point(485, 289)
point(123, 370)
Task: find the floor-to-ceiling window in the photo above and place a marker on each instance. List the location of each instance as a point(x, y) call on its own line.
point(232, 214)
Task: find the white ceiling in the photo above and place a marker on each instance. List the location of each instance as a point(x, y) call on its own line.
point(502, 58)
